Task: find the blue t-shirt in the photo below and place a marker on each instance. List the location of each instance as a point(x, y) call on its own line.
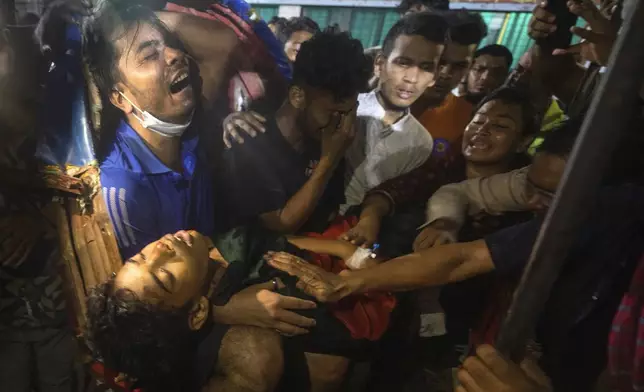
point(146, 199)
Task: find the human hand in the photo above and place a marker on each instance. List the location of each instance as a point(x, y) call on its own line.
point(313, 280)
point(336, 139)
point(488, 371)
point(432, 236)
point(542, 23)
point(364, 233)
point(249, 122)
point(260, 307)
point(598, 38)
point(19, 234)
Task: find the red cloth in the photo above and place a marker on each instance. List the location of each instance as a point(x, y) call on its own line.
point(626, 339)
point(366, 316)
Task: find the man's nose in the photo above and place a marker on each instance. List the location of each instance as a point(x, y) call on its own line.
point(411, 75)
point(174, 56)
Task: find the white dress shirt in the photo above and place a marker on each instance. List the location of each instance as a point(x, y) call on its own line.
point(382, 152)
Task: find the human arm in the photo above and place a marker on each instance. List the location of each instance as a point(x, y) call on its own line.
point(337, 248)
point(488, 371)
point(504, 251)
point(365, 232)
point(260, 306)
point(495, 194)
point(299, 207)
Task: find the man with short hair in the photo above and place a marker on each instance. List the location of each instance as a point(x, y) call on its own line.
point(488, 72)
point(291, 176)
point(464, 32)
point(409, 6)
point(294, 32)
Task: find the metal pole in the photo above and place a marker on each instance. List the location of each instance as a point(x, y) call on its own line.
point(610, 113)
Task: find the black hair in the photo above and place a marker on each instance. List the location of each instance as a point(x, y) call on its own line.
point(406, 5)
point(510, 95)
point(430, 25)
point(496, 51)
point(561, 139)
point(465, 28)
point(146, 342)
point(293, 25)
point(333, 61)
point(277, 20)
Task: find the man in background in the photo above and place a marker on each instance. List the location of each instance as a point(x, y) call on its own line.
point(294, 33)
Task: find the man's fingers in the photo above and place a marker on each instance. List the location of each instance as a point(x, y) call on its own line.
point(245, 126)
point(258, 116)
point(295, 303)
point(295, 319)
point(468, 383)
point(588, 35)
point(256, 124)
point(588, 11)
point(572, 49)
point(494, 361)
point(480, 374)
point(289, 330)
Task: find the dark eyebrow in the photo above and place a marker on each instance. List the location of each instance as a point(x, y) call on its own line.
point(147, 44)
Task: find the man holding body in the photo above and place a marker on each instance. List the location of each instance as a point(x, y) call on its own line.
point(154, 175)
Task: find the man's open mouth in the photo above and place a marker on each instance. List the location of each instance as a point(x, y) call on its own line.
point(181, 81)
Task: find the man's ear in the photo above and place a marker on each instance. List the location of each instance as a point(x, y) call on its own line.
point(378, 64)
point(120, 102)
point(297, 97)
point(199, 314)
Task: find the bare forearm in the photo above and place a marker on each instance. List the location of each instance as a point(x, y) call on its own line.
point(337, 248)
point(376, 205)
point(299, 208)
point(431, 267)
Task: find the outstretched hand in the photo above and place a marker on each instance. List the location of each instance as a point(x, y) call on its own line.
point(313, 280)
point(597, 39)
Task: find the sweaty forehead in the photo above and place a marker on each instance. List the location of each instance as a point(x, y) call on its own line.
point(133, 278)
point(416, 47)
point(499, 108)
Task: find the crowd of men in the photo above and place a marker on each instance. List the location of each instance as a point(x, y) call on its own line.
point(292, 208)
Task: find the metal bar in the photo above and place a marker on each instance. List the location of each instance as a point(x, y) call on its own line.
point(474, 6)
point(609, 114)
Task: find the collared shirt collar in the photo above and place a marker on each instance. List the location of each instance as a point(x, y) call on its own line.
point(370, 107)
point(150, 163)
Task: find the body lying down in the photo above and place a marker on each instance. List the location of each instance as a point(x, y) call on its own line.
point(170, 317)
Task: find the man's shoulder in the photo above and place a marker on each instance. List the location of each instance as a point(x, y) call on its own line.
point(418, 132)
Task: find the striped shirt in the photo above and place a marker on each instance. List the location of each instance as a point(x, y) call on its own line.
point(146, 199)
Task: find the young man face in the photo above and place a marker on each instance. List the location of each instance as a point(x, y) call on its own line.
point(155, 75)
point(486, 75)
point(494, 134)
point(294, 43)
point(454, 62)
point(408, 70)
point(171, 271)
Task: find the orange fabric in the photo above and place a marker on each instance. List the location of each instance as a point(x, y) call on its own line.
point(446, 124)
point(366, 316)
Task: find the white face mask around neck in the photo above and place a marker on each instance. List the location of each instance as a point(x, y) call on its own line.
point(160, 127)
